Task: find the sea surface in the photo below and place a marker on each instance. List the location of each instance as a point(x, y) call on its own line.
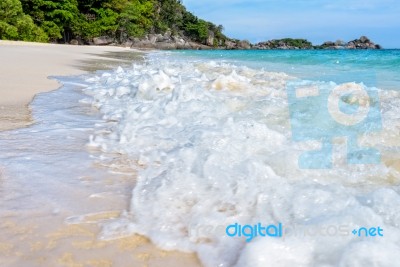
point(307, 139)
point(372, 67)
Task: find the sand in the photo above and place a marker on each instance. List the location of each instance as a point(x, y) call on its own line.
point(25, 68)
point(42, 237)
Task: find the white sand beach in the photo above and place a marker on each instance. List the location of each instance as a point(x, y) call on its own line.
point(40, 236)
point(24, 71)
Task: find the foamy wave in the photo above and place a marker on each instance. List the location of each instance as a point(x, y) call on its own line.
point(212, 144)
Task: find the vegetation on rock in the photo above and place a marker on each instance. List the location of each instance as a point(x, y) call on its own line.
point(83, 20)
point(288, 43)
point(157, 24)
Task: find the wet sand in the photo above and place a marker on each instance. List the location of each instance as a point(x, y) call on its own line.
point(35, 231)
point(25, 68)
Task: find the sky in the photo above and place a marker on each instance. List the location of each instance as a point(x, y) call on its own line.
point(315, 20)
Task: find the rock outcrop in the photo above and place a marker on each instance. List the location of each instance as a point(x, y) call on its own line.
point(166, 41)
point(236, 45)
point(244, 44)
point(103, 40)
point(283, 44)
point(362, 43)
point(210, 39)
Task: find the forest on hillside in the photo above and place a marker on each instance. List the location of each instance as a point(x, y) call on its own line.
point(63, 20)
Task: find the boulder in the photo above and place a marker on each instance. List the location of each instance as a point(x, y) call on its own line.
point(128, 43)
point(152, 38)
point(340, 43)
point(198, 46)
point(230, 45)
point(262, 45)
point(146, 44)
point(134, 39)
point(178, 40)
point(122, 36)
point(351, 45)
point(363, 43)
point(328, 44)
point(103, 40)
point(244, 44)
point(186, 45)
point(165, 46)
point(182, 44)
point(74, 42)
point(160, 38)
point(167, 34)
point(364, 39)
point(210, 38)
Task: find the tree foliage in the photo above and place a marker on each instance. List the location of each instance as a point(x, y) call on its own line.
point(136, 18)
point(300, 43)
point(62, 20)
point(15, 25)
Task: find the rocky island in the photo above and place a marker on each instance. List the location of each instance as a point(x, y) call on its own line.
point(167, 41)
point(362, 43)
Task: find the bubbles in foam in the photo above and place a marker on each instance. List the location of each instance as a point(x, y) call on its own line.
point(213, 145)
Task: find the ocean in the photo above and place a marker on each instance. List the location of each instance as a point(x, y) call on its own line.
point(208, 141)
point(372, 67)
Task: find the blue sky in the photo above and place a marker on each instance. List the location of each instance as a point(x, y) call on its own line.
point(315, 20)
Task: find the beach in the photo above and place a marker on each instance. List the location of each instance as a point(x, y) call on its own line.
point(25, 70)
point(41, 203)
point(152, 160)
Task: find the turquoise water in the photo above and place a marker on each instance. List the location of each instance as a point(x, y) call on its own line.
point(377, 68)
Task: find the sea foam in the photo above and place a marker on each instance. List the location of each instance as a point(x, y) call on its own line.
point(212, 145)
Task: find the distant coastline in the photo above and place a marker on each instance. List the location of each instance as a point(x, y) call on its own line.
point(148, 24)
point(361, 43)
point(159, 41)
point(167, 41)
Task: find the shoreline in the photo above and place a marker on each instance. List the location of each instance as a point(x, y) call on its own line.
point(42, 236)
point(27, 67)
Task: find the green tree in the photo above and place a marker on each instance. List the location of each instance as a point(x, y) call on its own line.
point(15, 25)
point(57, 18)
point(62, 20)
point(105, 23)
point(198, 30)
point(170, 14)
point(137, 18)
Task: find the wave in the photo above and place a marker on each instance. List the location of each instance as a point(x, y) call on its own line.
point(213, 146)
